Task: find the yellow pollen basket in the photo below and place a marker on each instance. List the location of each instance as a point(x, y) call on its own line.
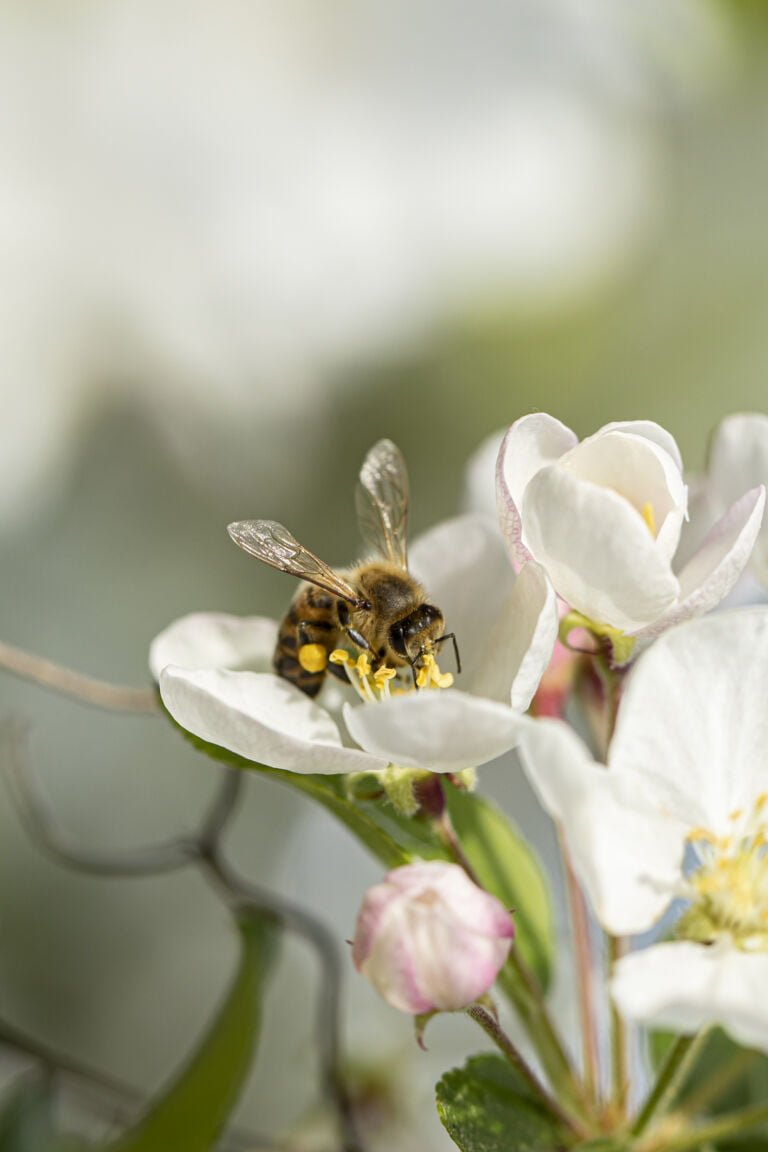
point(729, 889)
point(381, 685)
point(313, 657)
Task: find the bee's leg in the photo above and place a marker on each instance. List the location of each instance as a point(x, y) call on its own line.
point(451, 636)
point(356, 637)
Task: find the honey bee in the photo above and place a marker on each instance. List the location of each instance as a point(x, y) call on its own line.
point(377, 604)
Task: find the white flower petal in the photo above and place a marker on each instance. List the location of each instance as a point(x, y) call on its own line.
point(597, 550)
point(738, 460)
point(694, 718)
point(260, 717)
point(441, 730)
point(531, 443)
point(465, 569)
point(519, 647)
point(640, 471)
point(687, 986)
point(713, 570)
point(626, 853)
point(651, 431)
point(214, 640)
point(479, 497)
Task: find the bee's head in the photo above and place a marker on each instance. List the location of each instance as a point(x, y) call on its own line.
point(416, 634)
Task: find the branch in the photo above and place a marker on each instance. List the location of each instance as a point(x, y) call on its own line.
point(87, 689)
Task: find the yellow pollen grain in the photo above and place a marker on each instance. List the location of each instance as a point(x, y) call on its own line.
point(649, 516)
point(313, 657)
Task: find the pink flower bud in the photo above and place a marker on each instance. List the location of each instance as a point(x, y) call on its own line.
point(428, 938)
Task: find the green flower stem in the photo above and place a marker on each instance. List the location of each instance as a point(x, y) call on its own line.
point(680, 1059)
point(719, 1081)
point(619, 1058)
point(697, 1135)
point(522, 989)
point(583, 958)
point(492, 1028)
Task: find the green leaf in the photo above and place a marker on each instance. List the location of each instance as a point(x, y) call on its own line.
point(193, 1109)
point(392, 838)
point(27, 1119)
point(507, 867)
point(486, 1107)
point(747, 1089)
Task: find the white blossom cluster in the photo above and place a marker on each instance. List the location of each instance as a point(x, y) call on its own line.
point(672, 809)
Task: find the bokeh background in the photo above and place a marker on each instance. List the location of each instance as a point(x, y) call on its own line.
point(239, 242)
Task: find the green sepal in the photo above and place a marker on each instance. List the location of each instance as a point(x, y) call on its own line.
point(420, 1026)
point(622, 646)
point(487, 1107)
point(506, 866)
point(191, 1112)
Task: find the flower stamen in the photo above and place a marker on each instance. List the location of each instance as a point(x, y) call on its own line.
point(729, 888)
point(649, 516)
point(380, 684)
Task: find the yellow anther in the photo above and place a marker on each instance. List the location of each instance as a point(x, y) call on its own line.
point(701, 834)
point(381, 675)
point(313, 657)
point(736, 814)
point(363, 665)
point(761, 801)
point(649, 516)
point(339, 656)
point(429, 674)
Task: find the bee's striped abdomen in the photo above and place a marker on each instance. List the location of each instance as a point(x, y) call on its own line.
point(311, 619)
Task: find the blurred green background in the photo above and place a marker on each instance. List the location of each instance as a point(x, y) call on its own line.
point(238, 244)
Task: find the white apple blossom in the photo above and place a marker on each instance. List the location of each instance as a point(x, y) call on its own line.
point(429, 939)
point(738, 459)
point(680, 813)
point(603, 517)
point(215, 678)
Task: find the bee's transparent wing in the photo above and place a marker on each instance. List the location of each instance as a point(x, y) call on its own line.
point(382, 502)
point(274, 544)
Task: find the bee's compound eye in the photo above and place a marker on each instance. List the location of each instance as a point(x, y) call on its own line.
point(397, 640)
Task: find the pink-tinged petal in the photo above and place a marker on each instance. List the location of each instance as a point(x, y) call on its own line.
point(530, 444)
point(693, 718)
point(262, 718)
point(651, 431)
point(626, 852)
point(686, 986)
point(465, 570)
point(519, 647)
point(214, 640)
point(390, 962)
point(476, 909)
point(440, 730)
point(428, 938)
point(713, 570)
point(738, 460)
point(597, 550)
